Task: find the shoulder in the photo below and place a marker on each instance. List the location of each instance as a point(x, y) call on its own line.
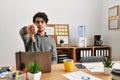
point(23, 30)
point(51, 38)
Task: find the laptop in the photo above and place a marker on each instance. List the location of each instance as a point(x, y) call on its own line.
point(24, 58)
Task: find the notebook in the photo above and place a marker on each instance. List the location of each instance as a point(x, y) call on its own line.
point(44, 58)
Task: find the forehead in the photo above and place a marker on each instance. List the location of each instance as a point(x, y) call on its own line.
point(39, 19)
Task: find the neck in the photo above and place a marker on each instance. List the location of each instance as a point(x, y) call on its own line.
point(42, 33)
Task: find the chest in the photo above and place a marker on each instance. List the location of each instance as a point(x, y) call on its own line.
point(44, 42)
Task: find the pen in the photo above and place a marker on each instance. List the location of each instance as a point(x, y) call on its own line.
point(17, 73)
point(13, 76)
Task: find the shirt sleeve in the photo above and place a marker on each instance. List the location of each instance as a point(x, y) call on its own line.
point(25, 37)
point(54, 53)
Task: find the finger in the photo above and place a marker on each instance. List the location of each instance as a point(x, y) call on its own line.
point(32, 29)
point(29, 29)
point(35, 28)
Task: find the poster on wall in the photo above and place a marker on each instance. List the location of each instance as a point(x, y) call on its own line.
point(114, 17)
point(49, 30)
point(64, 38)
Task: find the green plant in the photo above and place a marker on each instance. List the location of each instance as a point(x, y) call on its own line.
point(107, 63)
point(33, 67)
point(61, 41)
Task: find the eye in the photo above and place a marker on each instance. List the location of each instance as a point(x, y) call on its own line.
point(42, 21)
point(37, 22)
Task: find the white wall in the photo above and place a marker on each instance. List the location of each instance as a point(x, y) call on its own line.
point(15, 14)
point(111, 37)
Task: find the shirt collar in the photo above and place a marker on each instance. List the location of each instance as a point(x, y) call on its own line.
point(44, 35)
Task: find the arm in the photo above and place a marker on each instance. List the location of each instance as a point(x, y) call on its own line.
point(29, 31)
point(25, 37)
point(24, 34)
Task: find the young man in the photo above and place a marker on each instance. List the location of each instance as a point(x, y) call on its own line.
point(35, 37)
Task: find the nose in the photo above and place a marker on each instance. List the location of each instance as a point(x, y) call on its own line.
point(40, 24)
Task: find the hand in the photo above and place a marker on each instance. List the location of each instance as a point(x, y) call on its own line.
point(32, 30)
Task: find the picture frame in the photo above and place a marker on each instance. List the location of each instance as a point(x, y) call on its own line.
point(114, 17)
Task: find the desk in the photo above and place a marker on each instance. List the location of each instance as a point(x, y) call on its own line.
point(58, 70)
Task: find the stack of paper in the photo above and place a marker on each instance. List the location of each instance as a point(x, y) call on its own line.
point(116, 65)
point(99, 67)
point(94, 67)
point(79, 75)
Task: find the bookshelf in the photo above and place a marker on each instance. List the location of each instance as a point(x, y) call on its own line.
point(76, 53)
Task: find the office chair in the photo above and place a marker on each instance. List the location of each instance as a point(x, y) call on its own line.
point(91, 59)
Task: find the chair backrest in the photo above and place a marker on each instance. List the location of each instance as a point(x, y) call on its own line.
point(91, 59)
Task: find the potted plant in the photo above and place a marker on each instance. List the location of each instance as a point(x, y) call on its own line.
point(61, 42)
point(107, 65)
point(34, 72)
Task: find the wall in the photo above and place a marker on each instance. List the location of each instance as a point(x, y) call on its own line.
point(110, 37)
point(15, 14)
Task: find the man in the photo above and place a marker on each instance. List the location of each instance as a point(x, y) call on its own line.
point(35, 37)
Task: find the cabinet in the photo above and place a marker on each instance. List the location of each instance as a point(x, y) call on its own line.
point(64, 53)
point(76, 53)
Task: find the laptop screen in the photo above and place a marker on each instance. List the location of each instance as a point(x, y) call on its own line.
point(24, 58)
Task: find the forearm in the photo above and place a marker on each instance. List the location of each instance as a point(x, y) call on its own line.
point(24, 34)
point(54, 57)
point(25, 37)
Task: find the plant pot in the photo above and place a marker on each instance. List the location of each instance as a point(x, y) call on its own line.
point(35, 76)
point(107, 70)
point(61, 44)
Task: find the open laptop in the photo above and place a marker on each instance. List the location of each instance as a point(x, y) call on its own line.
point(44, 58)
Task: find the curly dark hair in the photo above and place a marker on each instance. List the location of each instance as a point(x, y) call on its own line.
point(41, 15)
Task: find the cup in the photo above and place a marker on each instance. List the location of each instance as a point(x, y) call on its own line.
point(12, 76)
point(68, 64)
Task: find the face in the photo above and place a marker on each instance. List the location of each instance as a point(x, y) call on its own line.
point(40, 23)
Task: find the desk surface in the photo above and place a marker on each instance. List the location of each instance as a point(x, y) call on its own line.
point(58, 70)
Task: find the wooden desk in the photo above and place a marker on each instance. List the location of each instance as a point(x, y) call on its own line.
point(58, 70)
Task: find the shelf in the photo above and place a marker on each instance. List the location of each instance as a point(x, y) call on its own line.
point(76, 53)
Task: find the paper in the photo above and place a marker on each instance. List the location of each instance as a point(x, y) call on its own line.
point(94, 67)
point(116, 65)
point(79, 75)
point(65, 38)
point(49, 30)
point(3, 74)
point(99, 67)
point(4, 71)
point(113, 24)
point(113, 11)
